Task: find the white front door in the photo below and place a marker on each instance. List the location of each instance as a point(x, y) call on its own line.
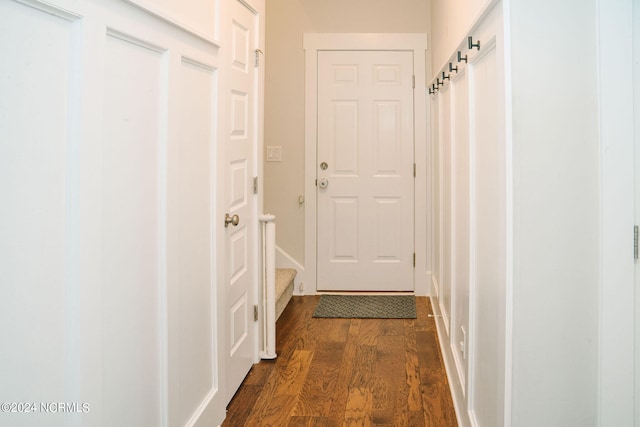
point(241, 201)
point(365, 176)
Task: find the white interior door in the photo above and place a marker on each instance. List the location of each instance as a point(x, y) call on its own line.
point(365, 175)
point(241, 168)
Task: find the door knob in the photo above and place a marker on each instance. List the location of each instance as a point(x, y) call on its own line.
point(233, 220)
point(323, 183)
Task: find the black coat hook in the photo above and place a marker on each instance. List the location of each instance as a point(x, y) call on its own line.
point(439, 83)
point(431, 91)
point(435, 89)
point(452, 68)
point(461, 58)
point(445, 77)
point(472, 45)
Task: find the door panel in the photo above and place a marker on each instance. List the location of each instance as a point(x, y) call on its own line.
point(241, 149)
point(344, 216)
point(387, 131)
point(365, 137)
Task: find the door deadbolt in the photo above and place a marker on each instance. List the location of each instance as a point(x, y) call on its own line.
point(233, 220)
point(324, 166)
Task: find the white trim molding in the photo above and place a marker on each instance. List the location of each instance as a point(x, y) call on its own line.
point(162, 13)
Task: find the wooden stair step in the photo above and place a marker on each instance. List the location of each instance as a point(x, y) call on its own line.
point(284, 288)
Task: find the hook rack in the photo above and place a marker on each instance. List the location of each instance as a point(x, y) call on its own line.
point(443, 77)
point(472, 44)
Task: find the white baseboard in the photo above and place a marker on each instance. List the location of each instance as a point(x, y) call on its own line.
point(459, 401)
point(423, 284)
point(284, 260)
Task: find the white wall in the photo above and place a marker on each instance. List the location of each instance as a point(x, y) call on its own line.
point(111, 261)
point(556, 212)
point(470, 225)
point(451, 21)
point(550, 368)
point(287, 20)
point(201, 18)
point(617, 23)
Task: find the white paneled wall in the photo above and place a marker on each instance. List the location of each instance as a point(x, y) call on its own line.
point(38, 241)
point(460, 221)
point(550, 214)
point(113, 116)
point(446, 215)
point(489, 243)
point(133, 224)
point(199, 18)
point(192, 170)
point(436, 167)
point(469, 166)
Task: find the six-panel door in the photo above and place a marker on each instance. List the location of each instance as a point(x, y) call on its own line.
point(365, 194)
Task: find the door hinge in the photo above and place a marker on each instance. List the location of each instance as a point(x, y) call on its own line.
point(255, 185)
point(414, 170)
point(414, 81)
point(258, 52)
point(255, 313)
point(414, 259)
point(635, 242)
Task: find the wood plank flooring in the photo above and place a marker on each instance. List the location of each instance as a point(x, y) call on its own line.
point(347, 372)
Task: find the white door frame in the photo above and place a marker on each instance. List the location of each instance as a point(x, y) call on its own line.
point(417, 43)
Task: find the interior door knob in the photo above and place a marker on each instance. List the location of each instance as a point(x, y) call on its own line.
point(323, 183)
point(233, 220)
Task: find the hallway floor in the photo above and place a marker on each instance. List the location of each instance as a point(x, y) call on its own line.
point(335, 372)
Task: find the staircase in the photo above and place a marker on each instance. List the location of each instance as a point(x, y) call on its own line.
point(284, 288)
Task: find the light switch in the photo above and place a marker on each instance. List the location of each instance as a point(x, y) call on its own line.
point(274, 153)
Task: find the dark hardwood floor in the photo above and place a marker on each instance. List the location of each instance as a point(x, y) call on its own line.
point(347, 372)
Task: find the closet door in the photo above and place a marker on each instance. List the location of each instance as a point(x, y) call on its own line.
point(240, 201)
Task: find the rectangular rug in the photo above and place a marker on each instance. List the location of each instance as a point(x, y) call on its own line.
point(367, 306)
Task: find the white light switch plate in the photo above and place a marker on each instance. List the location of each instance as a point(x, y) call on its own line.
point(274, 153)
